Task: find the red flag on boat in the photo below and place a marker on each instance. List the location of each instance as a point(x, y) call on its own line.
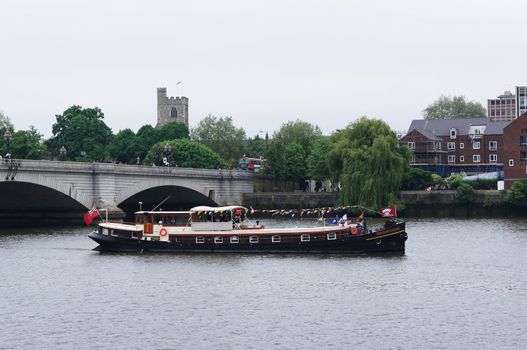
point(90, 215)
point(389, 212)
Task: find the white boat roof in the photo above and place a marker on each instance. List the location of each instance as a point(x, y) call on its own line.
point(226, 208)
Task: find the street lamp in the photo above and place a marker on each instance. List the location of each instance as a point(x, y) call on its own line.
point(63, 152)
point(7, 137)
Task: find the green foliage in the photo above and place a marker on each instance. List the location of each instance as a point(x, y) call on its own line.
point(185, 153)
point(127, 146)
point(255, 147)
point(464, 193)
point(317, 161)
point(455, 180)
point(220, 135)
point(417, 179)
point(454, 107)
point(82, 132)
point(517, 194)
point(172, 131)
point(368, 162)
point(5, 126)
point(295, 136)
point(299, 132)
point(27, 144)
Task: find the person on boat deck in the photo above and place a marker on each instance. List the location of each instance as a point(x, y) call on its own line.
point(361, 224)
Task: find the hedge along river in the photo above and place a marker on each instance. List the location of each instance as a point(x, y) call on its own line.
point(461, 284)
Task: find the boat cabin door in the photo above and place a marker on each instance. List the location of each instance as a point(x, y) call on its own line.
point(148, 224)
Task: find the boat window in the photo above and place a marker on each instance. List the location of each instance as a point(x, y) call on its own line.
point(332, 236)
point(235, 239)
point(276, 239)
point(305, 238)
point(200, 239)
point(105, 231)
point(218, 239)
point(134, 234)
point(139, 219)
point(112, 232)
point(253, 239)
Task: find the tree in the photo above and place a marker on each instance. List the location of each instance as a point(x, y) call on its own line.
point(5, 126)
point(27, 144)
point(297, 135)
point(454, 107)
point(220, 135)
point(255, 147)
point(465, 193)
point(173, 131)
point(82, 132)
point(185, 153)
point(417, 179)
point(317, 161)
point(299, 132)
point(125, 147)
point(517, 194)
point(368, 162)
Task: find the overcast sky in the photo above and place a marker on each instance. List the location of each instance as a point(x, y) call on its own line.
point(264, 63)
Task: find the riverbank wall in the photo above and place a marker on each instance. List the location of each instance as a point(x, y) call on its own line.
point(485, 203)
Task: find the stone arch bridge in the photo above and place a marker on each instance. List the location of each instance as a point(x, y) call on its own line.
point(33, 189)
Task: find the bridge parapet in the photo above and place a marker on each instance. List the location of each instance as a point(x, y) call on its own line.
point(108, 184)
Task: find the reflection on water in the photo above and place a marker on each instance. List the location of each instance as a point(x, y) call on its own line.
point(461, 284)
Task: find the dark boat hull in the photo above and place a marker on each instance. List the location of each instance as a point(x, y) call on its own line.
point(391, 239)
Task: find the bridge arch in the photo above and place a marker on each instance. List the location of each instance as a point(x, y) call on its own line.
point(172, 197)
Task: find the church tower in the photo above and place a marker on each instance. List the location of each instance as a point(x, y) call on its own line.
point(170, 109)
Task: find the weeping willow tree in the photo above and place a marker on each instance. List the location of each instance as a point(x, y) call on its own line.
point(368, 163)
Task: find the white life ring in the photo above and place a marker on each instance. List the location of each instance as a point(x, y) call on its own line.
point(163, 232)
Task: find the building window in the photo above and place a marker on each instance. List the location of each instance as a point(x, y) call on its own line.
point(218, 239)
point(412, 160)
point(411, 145)
point(276, 239)
point(493, 158)
point(461, 145)
point(523, 140)
point(438, 145)
point(511, 162)
point(200, 239)
point(476, 145)
point(305, 238)
point(451, 145)
point(235, 239)
point(523, 156)
point(253, 239)
point(461, 158)
point(173, 112)
point(453, 133)
point(493, 145)
point(451, 159)
point(476, 158)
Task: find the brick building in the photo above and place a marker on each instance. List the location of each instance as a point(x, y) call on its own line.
point(515, 150)
point(446, 146)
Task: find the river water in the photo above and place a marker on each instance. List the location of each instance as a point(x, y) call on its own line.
point(462, 284)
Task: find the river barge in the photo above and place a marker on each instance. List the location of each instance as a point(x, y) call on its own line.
point(226, 229)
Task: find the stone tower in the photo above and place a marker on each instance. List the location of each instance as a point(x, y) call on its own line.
point(170, 109)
